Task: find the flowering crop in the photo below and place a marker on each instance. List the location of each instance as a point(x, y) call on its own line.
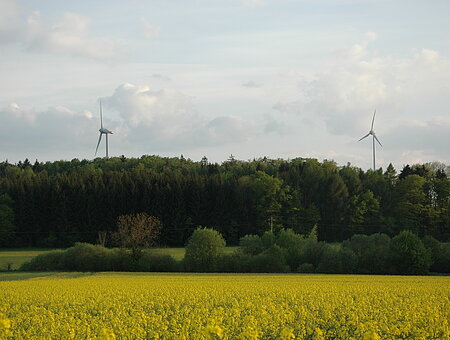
point(186, 306)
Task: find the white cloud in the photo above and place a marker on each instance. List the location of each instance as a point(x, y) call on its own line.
point(56, 131)
point(429, 136)
point(70, 34)
point(253, 2)
point(251, 84)
point(344, 95)
point(167, 119)
point(148, 30)
point(9, 11)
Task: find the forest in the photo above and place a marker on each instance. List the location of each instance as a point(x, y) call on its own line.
point(55, 204)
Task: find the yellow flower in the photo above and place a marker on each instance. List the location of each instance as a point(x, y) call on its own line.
point(214, 331)
point(5, 323)
point(318, 334)
point(287, 334)
point(107, 334)
point(371, 335)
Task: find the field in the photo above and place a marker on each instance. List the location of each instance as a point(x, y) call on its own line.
point(16, 257)
point(186, 306)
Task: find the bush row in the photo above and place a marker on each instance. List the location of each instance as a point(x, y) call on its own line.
point(88, 257)
point(287, 251)
point(280, 252)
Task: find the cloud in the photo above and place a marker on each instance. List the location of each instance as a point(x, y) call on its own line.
point(9, 20)
point(251, 84)
point(148, 30)
point(167, 119)
point(70, 34)
point(344, 95)
point(430, 135)
point(55, 131)
point(224, 129)
point(160, 77)
point(253, 2)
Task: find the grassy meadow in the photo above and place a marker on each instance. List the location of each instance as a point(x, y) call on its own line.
point(212, 306)
point(16, 257)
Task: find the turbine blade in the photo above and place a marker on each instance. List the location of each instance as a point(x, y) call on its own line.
point(364, 137)
point(99, 139)
point(373, 119)
point(101, 115)
point(377, 140)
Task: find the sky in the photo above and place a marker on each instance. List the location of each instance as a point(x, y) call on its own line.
point(248, 78)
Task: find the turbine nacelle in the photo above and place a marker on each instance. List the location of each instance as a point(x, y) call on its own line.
point(374, 138)
point(103, 130)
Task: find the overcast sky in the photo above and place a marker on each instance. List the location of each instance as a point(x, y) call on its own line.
point(252, 78)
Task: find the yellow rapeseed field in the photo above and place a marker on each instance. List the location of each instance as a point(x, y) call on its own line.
point(184, 306)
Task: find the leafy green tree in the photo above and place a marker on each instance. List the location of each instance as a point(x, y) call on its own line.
point(410, 202)
point(203, 250)
point(6, 220)
point(408, 254)
point(251, 244)
point(371, 251)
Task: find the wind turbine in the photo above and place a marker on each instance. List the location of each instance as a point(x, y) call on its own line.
point(374, 137)
point(103, 131)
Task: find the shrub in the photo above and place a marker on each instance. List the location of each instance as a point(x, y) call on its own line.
point(349, 260)
point(440, 254)
point(288, 239)
point(237, 262)
point(87, 257)
point(372, 252)
point(54, 260)
point(306, 268)
point(271, 260)
point(268, 239)
point(408, 254)
point(251, 244)
point(330, 261)
point(157, 263)
point(203, 249)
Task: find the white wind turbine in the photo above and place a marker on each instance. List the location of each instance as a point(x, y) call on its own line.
point(374, 137)
point(103, 131)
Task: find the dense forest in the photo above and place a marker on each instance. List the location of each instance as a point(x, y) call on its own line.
point(55, 204)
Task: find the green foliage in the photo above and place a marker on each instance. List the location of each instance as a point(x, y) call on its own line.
point(306, 268)
point(54, 260)
point(271, 260)
point(371, 251)
point(408, 254)
point(203, 249)
point(89, 257)
point(251, 244)
point(149, 262)
point(268, 239)
point(6, 220)
point(440, 254)
point(330, 260)
point(59, 203)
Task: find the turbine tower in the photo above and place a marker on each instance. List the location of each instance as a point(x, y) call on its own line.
point(103, 131)
point(374, 137)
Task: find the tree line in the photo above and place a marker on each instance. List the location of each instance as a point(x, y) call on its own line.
point(273, 252)
point(55, 204)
